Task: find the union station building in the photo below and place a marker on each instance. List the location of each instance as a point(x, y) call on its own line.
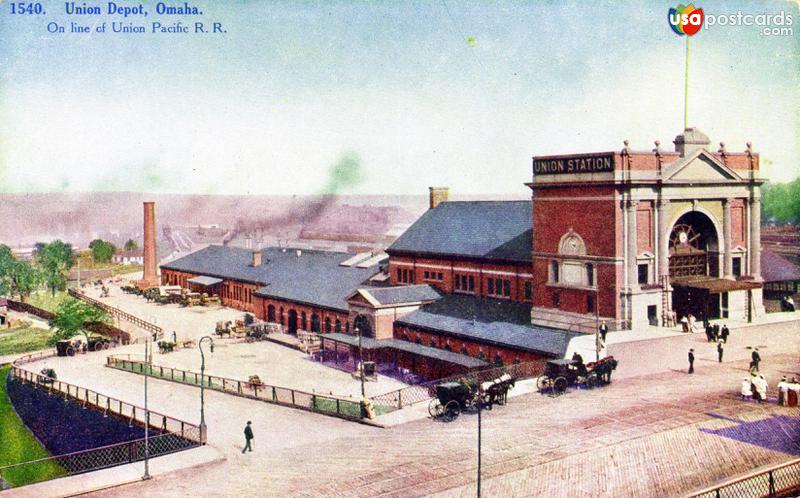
point(635, 238)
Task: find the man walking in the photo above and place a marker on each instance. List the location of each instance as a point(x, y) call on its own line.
point(603, 331)
point(756, 360)
point(720, 349)
point(691, 361)
point(725, 332)
point(248, 437)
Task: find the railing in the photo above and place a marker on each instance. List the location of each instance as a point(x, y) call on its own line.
point(775, 482)
point(423, 392)
point(29, 358)
point(106, 404)
point(327, 405)
point(175, 435)
point(118, 313)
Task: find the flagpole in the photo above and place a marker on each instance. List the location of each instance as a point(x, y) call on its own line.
point(686, 89)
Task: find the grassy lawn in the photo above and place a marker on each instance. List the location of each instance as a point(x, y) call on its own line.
point(22, 340)
point(19, 445)
point(43, 299)
point(123, 269)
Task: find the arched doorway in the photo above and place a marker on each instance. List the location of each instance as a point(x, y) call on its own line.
point(292, 325)
point(361, 323)
point(271, 313)
point(315, 324)
point(693, 247)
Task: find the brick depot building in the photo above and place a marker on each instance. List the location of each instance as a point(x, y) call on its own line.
point(630, 237)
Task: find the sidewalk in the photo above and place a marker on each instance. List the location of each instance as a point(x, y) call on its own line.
point(117, 476)
point(584, 344)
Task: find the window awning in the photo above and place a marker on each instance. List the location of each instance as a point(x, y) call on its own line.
point(716, 285)
point(205, 281)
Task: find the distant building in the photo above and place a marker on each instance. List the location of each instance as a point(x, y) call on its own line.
point(135, 257)
point(781, 275)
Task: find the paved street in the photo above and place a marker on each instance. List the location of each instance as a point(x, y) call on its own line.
point(641, 436)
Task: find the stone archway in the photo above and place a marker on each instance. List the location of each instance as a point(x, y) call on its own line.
point(292, 325)
point(693, 247)
point(361, 323)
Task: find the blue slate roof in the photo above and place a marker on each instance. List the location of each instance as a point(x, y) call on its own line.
point(403, 294)
point(490, 321)
point(492, 230)
point(313, 278)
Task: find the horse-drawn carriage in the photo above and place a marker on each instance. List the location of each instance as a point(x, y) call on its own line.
point(562, 373)
point(452, 398)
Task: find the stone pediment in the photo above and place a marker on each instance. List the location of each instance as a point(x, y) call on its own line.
point(700, 165)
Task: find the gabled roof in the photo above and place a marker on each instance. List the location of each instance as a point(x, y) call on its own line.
point(314, 277)
point(490, 321)
point(776, 268)
point(491, 230)
point(699, 165)
point(398, 295)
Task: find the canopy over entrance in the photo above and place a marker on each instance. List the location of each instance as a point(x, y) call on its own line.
point(706, 297)
point(204, 281)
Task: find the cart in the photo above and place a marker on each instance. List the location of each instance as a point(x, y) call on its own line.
point(451, 399)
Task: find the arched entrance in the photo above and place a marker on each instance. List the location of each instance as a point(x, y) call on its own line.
point(361, 323)
point(693, 247)
point(292, 325)
point(271, 313)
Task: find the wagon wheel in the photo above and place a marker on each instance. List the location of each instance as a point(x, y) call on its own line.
point(70, 351)
point(451, 410)
point(560, 385)
point(592, 380)
point(435, 408)
point(543, 382)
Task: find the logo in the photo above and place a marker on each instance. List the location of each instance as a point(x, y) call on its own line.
point(685, 19)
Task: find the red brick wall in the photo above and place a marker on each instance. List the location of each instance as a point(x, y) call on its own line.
point(261, 306)
point(644, 227)
point(515, 273)
point(738, 225)
point(472, 348)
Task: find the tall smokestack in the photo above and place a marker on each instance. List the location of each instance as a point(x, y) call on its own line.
point(150, 257)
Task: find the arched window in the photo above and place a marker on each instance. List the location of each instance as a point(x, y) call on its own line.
point(338, 326)
point(498, 360)
point(283, 319)
point(464, 350)
point(481, 356)
point(448, 348)
point(303, 321)
point(433, 343)
point(315, 326)
point(327, 325)
point(418, 340)
point(271, 313)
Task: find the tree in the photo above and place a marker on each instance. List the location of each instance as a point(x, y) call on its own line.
point(781, 202)
point(102, 251)
point(71, 319)
point(54, 261)
point(24, 278)
point(131, 245)
point(7, 260)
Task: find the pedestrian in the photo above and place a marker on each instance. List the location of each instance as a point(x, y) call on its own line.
point(761, 387)
point(724, 333)
point(691, 361)
point(692, 321)
point(248, 437)
point(716, 331)
point(756, 360)
point(706, 323)
point(709, 333)
point(603, 331)
point(783, 387)
point(685, 324)
point(747, 389)
point(720, 350)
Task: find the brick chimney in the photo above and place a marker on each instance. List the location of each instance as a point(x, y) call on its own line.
point(256, 258)
point(438, 195)
point(150, 257)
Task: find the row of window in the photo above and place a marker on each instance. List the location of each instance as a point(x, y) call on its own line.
point(301, 321)
point(498, 287)
point(498, 360)
point(238, 293)
point(432, 275)
point(466, 283)
point(574, 273)
point(405, 276)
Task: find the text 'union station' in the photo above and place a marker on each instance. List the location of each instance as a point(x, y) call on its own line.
point(630, 237)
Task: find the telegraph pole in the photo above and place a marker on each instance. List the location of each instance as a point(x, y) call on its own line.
point(146, 475)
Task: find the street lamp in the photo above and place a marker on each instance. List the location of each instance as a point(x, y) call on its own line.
point(146, 475)
point(202, 385)
point(597, 323)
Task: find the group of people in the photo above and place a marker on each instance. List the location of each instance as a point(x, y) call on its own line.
point(714, 333)
point(718, 335)
point(755, 387)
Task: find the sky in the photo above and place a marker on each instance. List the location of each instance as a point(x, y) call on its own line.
point(444, 93)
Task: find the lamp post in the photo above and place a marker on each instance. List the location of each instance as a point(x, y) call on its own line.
point(146, 474)
point(597, 324)
point(480, 409)
point(202, 386)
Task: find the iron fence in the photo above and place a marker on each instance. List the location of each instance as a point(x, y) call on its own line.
point(103, 457)
point(776, 482)
point(106, 404)
point(425, 391)
point(327, 405)
point(118, 313)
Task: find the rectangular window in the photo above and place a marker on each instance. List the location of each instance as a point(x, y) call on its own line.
point(458, 282)
point(737, 267)
point(554, 271)
point(643, 273)
point(439, 276)
point(490, 284)
point(471, 284)
point(427, 275)
point(399, 275)
point(507, 288)
point(590, 275)
point(528, 291)
point(590, 303)
point(554, 300)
